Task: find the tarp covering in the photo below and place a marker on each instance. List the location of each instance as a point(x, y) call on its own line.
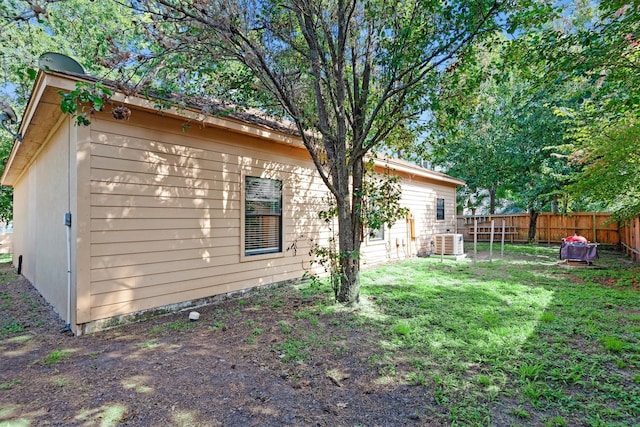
point(579, 251)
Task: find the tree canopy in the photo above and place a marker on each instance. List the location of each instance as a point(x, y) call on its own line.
point(549, 118)
point(349, 74)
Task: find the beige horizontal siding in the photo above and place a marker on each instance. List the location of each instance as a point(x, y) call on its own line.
point(161, 234)
point(127, 248)
point(169, 266)
point(166, 218)
point(161, 256)
point(188, 277)
point(126, 212)
point(204, 223)
point(178, 295)
point(160, 201)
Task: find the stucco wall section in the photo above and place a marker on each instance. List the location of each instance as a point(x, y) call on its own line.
point(21, 230)
point(41, 199)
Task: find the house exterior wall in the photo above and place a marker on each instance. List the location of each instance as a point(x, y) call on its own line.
point(21, 227)
point(41, 198)
point(167, 218)
point(167, 214)
point(159, 209)
point(419, 197)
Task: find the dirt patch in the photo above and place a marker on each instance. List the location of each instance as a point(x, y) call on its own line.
point(267, 360)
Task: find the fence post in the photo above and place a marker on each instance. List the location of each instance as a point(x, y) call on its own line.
point(502, 246)
point(491, 241)
point(475, 239)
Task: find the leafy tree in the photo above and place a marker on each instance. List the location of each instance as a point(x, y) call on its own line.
point(499, 137)
point(6, 193)
point(351, 75)
point(348, 73)
point(600, 49)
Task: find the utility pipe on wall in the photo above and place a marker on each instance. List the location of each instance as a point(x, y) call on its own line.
point(67, 223)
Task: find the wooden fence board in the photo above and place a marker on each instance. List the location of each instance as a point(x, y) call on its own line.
point(630, 238)
point(551, 228)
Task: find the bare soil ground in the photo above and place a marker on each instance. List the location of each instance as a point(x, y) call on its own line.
point(244, 363)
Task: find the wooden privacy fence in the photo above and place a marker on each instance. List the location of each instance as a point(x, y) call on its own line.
point(551, 228)
point(630, 238)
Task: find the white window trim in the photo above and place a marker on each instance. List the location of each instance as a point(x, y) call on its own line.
point(259, 257)
point(374, 242)
point(444, 209)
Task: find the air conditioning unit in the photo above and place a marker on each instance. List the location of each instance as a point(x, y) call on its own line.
point(453, 244)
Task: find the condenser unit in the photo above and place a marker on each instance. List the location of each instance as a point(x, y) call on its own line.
point(453, 244)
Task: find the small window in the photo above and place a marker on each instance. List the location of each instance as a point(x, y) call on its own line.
point(262, 216)
point(440, 209)
point(377, 234)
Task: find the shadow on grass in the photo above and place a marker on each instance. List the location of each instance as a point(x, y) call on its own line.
point(518, 340)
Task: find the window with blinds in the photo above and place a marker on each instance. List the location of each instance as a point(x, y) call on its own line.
point(262, 216)
point(440, 209)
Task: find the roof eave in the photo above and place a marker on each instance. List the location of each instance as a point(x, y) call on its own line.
point(415, 170)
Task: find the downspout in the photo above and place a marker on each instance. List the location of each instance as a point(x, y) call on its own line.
point(67, 223)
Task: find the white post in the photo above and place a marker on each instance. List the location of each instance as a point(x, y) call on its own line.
point(491, 240)
point(475, 239)
point(503, 233)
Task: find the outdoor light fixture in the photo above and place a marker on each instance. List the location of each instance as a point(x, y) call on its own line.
point(8, 115)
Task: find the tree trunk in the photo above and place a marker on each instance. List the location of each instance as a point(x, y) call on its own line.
point(492, 201)
point(349, 238)
point(533, 224)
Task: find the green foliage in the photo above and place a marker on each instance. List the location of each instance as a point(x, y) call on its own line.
point(6, 193)
point(380, 195)
point(497, 138)
point(86, 98)
point(550, 115)
point(609, 157)
point(6, 204)
point(597, 50)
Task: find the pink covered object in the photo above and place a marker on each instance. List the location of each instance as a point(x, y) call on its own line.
point(576, 238)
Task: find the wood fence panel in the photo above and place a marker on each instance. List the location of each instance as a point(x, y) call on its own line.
point(630, 238)
point(551, 228)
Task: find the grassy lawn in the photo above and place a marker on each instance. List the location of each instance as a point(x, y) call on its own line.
point(522, 336)
point(520, 341)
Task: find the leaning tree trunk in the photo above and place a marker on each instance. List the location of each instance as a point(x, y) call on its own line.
point(533, 225)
